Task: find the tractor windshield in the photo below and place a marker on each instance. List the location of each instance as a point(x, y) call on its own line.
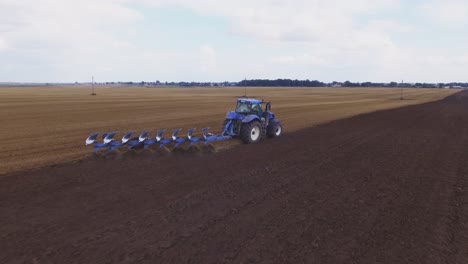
point(248, 108)
point(243, 108)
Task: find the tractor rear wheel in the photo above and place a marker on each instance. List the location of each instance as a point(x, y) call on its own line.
point(275, 129)
point(251, 132)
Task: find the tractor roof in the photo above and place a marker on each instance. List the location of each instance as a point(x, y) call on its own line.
point(250, 100)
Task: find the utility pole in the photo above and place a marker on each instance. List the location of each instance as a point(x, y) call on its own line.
point(92, 86)
point(245, 87)
point(401, 95)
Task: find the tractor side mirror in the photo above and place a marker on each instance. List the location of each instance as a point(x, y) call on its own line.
point(268, 107)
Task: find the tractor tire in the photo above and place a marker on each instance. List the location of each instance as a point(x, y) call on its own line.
point(274, 129)
point(251, 132)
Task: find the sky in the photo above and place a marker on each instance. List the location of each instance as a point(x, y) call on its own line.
point(216, 40)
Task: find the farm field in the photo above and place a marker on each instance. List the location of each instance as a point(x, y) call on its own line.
point(384, 187)
point(48, 125)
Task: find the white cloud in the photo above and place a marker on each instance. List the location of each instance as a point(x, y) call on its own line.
point(452, 13)
point(304, 59)
point(300, 20)
point(328, 31)
point(337, 39)
point(208, 60)
point(381, 25)
point(68, 40)
point(442, 61)
point(3, 44)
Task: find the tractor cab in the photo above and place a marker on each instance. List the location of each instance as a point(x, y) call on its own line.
point(246, 106)
point(248, 109)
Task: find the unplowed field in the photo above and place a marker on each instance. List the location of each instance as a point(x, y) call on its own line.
point(385, 187)
point(44, 125)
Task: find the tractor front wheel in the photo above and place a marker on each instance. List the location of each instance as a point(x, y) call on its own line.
point(251, 132)
point(274, 129)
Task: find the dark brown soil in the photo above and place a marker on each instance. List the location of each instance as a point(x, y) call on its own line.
point(386, 187)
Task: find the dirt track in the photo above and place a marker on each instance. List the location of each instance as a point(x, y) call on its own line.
point(386, 187)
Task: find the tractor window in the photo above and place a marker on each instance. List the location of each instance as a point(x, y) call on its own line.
point(257, 109)
point(243, 108)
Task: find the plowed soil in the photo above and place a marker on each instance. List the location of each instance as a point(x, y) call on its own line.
point(384, 187)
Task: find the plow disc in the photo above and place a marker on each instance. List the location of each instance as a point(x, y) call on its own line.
point(144, 141)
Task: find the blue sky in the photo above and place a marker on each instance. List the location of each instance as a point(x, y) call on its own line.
point(208, 40)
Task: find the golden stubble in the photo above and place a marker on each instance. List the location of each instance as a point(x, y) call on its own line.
point(47, 125)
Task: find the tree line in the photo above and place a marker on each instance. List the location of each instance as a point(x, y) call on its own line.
point(282, 83)
point(315, 83)
point(295, 83)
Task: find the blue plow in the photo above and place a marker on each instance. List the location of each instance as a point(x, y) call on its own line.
point(144, 141)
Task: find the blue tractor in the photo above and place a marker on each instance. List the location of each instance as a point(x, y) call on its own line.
point(250, 122)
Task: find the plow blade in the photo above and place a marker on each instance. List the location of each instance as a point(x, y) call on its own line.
point(178, 140)
point(144, 140)
point(207, 137)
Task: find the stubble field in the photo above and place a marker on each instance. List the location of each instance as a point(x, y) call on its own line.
point(48, 125)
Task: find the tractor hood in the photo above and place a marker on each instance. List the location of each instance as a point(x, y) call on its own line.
point(244, 118)
point(234, 116)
